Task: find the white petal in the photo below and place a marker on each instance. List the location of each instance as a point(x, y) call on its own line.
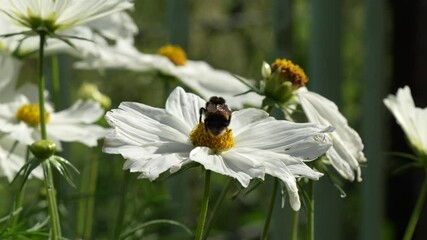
point(410, 118)
point(185, 106)
point(152, 168)
point(207, 81)
point(347, 144)
point(86, 134)
point(230, 164)
point(80, 112)
point(9, 68)
point(138, 123)
point(305, 140)
point(247, 118)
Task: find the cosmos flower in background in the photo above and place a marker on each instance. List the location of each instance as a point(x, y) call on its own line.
point(284, 84)
point(54, 16)
point(20, 119)
point(154, 140)
point(87, 40)
point(412, 120)
point(172, 61)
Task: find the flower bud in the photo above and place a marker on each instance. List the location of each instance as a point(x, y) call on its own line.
point(91, 91)
point(265, 70)
point(43, 149)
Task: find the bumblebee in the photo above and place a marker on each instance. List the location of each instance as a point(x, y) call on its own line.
point(217, 116)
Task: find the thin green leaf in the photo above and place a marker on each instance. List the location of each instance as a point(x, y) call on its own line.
point(62, 166)
point(27, 169)
point(406, 167)
point(154, 222)
point(405, 155)
point(245, 191)
point(253, 88)
point(183, 169)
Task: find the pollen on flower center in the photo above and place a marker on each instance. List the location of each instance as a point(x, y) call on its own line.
point(290, 72)
point(175, 53)
point(200, 137)
point(30, 114)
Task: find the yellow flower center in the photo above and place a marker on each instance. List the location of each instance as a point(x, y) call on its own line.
point(200, 137)
point(175, 53)
point(289, 71)
point(30, 114)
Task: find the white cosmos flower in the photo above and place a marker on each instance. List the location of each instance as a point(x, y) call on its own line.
point(12, 158)
point(154, 140)
point(89, 38)
point(57, 15)
point(197, 75)
point(412, 120)
point(20, 119)
point(346, 152)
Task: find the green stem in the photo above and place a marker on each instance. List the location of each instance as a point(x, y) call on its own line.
point(310, 210)
point(42, 35)
point(122, 206)
point(266, 228)
point(294, 225)
point(51, 201)
point(55, 80)
point(217, 205)
point(47, 170)
point(205, 205)
point(86, 203)
point(417, 211)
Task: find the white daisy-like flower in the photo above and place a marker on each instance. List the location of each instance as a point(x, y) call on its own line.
point(154, 140)
point(88, 39)
point(172, 61)
point(54, 15)
point(20, 119)
point(346, 152)
point(412, 120)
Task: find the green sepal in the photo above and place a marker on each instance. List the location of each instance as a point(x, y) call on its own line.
point(63, 166)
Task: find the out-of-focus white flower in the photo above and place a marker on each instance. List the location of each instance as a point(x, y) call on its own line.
point(9, 68)
point(412, 120)
point(346, 152)
point(12, 158)
point(54, 15)
point(20, 119)
point(197, 75)
point(155, 140)
point(88, 39)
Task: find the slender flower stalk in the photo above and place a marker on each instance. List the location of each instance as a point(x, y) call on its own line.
point(55, 79)
point(310, 210)
point(294, 225)
point(264, 235)
point(86, 203)
point(417, 211)
point(204, 208)
point(122, 206)
point(217, 205)
point(48, 177)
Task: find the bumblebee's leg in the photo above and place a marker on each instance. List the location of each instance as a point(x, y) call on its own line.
point(202, 110)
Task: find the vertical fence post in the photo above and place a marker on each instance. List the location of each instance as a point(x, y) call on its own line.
point(372, 120)
point(326, 79)
point(177, 26)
